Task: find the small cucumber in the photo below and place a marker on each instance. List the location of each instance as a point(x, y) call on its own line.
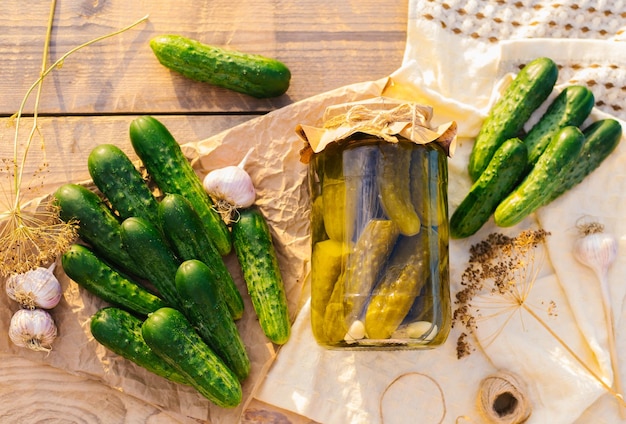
point(83, 266)
point(255, 251)
point(98, 226)
point(121, 183)
point(327, 259)
point(571, 107)
point(120, 332)
point(402, 280)
point(172, 173)
point(251, 74)
point(505, 170)
point(206, 310)
point(394, 183)
point(170, 335)
point(530, 88)
point(601, 138)
point(152, 256)
point(544, 177)
point(184, 231)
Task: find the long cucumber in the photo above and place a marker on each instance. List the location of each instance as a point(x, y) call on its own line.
point(83, 266)
point(562, 151)
point(255, 251)
point(601, 138)
point(528, 90)
point(571, 107)
point(172, 173)
point(170, 335)
point(187, 236)
point(121, 183)
point(208, 313)
point(497, 181)
point(120, 332)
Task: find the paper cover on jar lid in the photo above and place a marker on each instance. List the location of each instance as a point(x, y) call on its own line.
point(382, 117)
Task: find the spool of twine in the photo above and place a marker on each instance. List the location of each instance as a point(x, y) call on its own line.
point(502, 399)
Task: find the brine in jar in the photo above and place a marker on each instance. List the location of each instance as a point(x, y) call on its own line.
point(379, 234)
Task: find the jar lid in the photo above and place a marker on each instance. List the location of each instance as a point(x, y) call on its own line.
point(381, 117)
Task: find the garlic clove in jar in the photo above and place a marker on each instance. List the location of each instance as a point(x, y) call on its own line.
point(33, 328)
point(37, 288)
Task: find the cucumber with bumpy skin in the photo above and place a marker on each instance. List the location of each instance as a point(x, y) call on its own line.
point(152, 256)
point(170, 335)
point(121, 183)
point(83, 266)
point(544, 177)
point(601, 138)
point(504, 171)
point(186, 235)
point(120, 332)
point(530, 88)
point(571, 107)
point(97, 224)
point(208, 313)
point(172, 173)
point(251, 74)
point(255, 251)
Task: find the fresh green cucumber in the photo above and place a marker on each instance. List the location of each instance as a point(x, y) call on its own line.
point(531, 193)
point(184, 231)
point(208, 313)
point(505, 169)
point(98, 225)
point(170, 335)
point(83, 266)
point(172, 173)
point(528, 90)
point(601, 138)
point(152, 256)
point(121, 183)
point(255, 251)
point(251, 74)
point(120, 332)
point(571, 107)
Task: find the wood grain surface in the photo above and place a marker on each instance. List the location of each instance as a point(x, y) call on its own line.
point(98, 90)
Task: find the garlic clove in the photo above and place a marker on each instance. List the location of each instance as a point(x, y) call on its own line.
point(37, 288)
point(33, 328)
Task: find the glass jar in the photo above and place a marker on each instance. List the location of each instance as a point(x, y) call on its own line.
point(379, 238)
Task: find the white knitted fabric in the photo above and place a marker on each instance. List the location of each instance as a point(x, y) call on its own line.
point(457, 52)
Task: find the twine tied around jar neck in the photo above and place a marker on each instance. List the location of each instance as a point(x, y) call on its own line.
point(388, 119)
point(502, 399)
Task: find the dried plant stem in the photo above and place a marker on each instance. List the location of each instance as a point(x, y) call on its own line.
point(562, 342)
point(608, 317)
point(28, 238)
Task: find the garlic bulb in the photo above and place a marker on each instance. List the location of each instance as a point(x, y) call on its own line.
point(230, 188)
point(598, 250)
point(33, 328)
point(37, 288)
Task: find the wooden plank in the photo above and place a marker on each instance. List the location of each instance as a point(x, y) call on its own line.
point(69, 140)
point(326, 44)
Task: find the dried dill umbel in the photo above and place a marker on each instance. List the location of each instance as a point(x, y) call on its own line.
point(32, 238)
point(499, 265)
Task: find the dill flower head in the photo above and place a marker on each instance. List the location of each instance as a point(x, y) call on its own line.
point(32, 238)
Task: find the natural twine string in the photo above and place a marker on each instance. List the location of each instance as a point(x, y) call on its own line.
point(502, 399)
point(407, 374)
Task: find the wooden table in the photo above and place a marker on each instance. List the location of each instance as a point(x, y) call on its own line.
point(98, 90)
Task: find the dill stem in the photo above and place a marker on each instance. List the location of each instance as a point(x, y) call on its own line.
point(37, 84)
point(609, 389)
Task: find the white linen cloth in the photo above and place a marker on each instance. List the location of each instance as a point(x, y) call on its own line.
point(456, 54)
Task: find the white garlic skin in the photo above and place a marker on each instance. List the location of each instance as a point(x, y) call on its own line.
point(33, 328)
point(37, 288)
point(231, 184)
